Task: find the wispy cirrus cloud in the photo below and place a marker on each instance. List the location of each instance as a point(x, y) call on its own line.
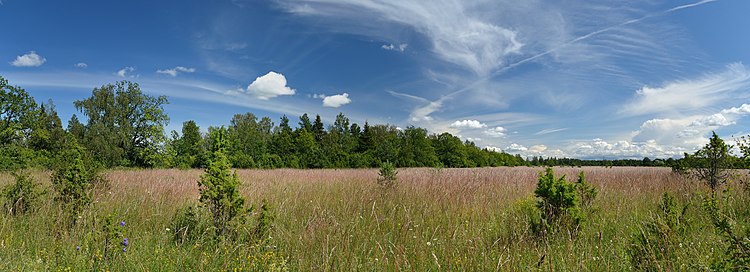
point(392, 47)
point(454, 28)
point(125, 72)
point(690, 94)
point(175, 71)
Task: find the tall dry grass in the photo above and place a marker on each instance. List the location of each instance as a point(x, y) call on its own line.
point(434, 219)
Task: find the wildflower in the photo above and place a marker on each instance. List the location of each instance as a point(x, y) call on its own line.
point(122, 223)
point(124, 249)
point(125, 242)
point(78, 248)
point(429, 243)
point(168, 229)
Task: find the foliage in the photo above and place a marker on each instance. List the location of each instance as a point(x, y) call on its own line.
point(17, 112)
point(114, 242)
point(264, 221)
point(387, 175)
point(22, 196)
point(559, 203)
point(586, 192)
point(188, 225)
point(734, 230)
point(653, 247)
point(124, 124)
point(71, 181)
point(219, 186)
point(710, 162)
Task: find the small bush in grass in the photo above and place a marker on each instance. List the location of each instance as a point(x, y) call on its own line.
point(71, 180)
point(219, 186)
point(586, 192)
point(264, 221)
point(21, 197)
point(557, 202)
point(735, 232)
point(188, 225)
point(653, 247)
point(387, 176)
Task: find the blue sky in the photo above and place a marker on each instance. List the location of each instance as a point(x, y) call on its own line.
point(584, 79)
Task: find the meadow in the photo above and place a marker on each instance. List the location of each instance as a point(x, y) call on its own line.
point(434, 219)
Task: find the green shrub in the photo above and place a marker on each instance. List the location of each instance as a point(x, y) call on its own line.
point(653, 247)
point(219, 186)
point(188, 225)
point(557, 202)
point(264, 221)
point(586, 192)
point(72, 180)
point(735, 234)
point(21, 197)
point(387, 175)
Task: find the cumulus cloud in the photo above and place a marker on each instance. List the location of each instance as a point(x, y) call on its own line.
point(175, 71)
point(687, 95)
point(124, 71)
point(392, 47)
point(474, 124)
point(268, 86)
point(515, 148)
point(495, 132)
point(81, 65)
point(31, 59)
point(334, 101)
point(661, 138)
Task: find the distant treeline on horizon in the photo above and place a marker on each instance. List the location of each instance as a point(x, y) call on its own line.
point(125, 128)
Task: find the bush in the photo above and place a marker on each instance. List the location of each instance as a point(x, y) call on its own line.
point(387, 175)
point(188, 225)
point(653, 247)
point(734, 233)
point(557, 202)
point(21, 196)
point(219, 187)
point(71, 181)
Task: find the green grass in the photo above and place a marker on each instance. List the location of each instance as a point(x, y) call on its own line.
point(331, 220)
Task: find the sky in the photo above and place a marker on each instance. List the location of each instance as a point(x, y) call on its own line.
point(584, 79)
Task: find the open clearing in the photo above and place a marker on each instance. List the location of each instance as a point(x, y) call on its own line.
point(435, 219)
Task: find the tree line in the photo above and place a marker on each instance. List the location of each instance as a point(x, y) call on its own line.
point(124, 127)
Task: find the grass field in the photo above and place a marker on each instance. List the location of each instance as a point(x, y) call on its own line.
point(333, 220)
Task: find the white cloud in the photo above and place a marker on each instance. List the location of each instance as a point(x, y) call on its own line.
point(81, 65)
point(515, 148)
point(268, 86)
point(688, 95)
point(468, 124)
point(423, 113)
point(335, 101)
point(31, 59)
point(124, 71)
point(175, 71)
point(495, 132)
point(392, 47)
point(549, 130)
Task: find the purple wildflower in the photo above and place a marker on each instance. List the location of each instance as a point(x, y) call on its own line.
point(122, 223)
point(124, 249)
point(125, 242)
point(78, 248)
